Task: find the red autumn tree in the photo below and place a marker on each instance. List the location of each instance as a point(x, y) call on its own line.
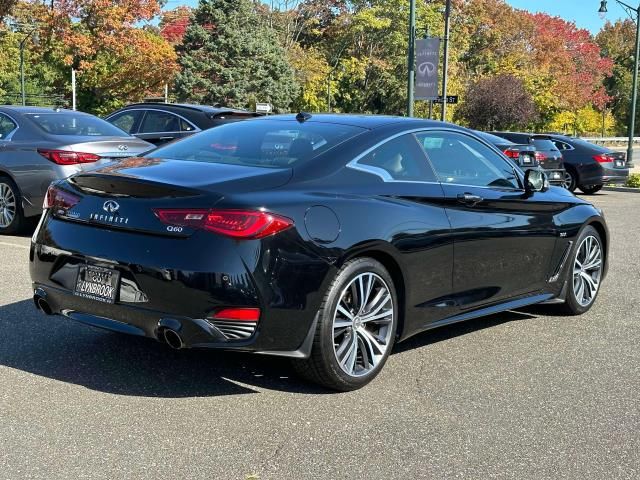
point(571, 60)
point(174, 23)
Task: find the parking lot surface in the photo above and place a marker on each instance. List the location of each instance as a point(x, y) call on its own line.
point(517, 395)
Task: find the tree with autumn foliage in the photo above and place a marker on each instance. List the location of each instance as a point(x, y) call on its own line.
point(230, 56)
point(561, 65)
point(617, 42)
point(500, 102)
point(117, 60)
point(174, 23)
point(571, 64)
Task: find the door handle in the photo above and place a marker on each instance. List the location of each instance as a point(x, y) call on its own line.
point(469, 198)
point(167, 138)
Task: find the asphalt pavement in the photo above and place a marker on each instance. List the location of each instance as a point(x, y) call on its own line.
point(517, 395)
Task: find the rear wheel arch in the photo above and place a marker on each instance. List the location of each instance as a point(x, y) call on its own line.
point(6, 174)
point(393, 267)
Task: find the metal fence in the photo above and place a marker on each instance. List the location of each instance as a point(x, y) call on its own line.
point(34, 100)
point(614, 141)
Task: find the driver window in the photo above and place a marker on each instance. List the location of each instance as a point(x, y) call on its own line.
point(463, 160)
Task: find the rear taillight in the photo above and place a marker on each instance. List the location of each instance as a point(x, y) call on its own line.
point(66, 157)
point(59, 199)
point(512, 153)
point(237, 314)
point(602, 158)
point(541, 157)
point(245, 224)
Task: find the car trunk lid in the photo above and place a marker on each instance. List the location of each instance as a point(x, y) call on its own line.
point(124, 194)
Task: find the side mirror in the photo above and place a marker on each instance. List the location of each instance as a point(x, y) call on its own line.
point(535, 181)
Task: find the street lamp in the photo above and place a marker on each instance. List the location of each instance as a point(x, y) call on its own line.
point(634, 89)
point(18, 27)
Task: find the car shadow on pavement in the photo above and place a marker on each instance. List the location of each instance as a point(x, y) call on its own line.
point(62, 350)
point(462, 328)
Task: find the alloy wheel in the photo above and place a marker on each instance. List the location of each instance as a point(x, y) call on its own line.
point(362, 324)
point(7, 205)
point(587, 270)
point(567, 180)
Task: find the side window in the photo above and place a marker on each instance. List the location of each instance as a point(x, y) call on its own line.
point(463, 160)
point(126, 120)
point(186, 126)
point(400, 159)
point(561, 145)
point(160, 122)
point(6, 126)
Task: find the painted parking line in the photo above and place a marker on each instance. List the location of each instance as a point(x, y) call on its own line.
point(9, 244)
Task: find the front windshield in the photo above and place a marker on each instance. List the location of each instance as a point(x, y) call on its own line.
point(259, 143)
point(74, 123)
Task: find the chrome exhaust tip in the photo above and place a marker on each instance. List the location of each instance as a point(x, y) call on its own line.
point(42, 304)
point(172, 338)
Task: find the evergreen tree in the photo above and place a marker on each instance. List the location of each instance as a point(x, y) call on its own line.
point(230, 56)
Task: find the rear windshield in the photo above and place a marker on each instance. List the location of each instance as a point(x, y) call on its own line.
point(259, 143)
point(71, 123)
point(592, 146)
point(543, 144)
point(494, 139)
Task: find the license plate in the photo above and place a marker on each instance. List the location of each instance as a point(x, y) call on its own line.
point(619, 163)
point(555, 175)
point(526, 159)
point(97, 283)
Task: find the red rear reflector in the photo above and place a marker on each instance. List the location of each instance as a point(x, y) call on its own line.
point(59, 199)
point(237, 314)
point(233, 223)
point(602, 158)
point(65, 157)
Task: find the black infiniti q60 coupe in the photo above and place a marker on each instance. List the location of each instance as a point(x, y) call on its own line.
point(322, 238)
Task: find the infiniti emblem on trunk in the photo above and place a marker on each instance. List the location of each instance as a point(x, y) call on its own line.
point(111, 206)
point(123, 148)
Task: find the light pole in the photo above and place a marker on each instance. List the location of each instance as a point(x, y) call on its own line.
point(18, 27)
point(445, 63)
point(411, 62)
point(634, 87)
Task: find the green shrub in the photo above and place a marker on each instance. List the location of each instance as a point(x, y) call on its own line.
point(634, 180)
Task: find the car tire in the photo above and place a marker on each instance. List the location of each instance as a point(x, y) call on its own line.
point(11, 214)
point(590, 189)
point(578, 285)
point(349, 350)
point(570, 180)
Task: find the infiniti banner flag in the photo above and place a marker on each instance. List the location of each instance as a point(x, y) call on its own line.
point(427, 59)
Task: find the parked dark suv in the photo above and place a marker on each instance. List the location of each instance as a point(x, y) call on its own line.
point(159, 123)
point(547, 154)
point(523, 155)
point(590, 166)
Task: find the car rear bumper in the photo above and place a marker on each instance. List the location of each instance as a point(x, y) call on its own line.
point(616, 180)
point(165, 284)
point(615, 175)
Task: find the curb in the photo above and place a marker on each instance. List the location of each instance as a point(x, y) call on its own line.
point(622, 189)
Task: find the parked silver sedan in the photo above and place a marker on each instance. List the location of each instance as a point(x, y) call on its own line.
point(41, 145)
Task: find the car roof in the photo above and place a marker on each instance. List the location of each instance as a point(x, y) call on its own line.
point(33, 110)
point(183, 106)
point(364, 121)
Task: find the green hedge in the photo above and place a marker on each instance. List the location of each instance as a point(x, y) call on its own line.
point(634, 180)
